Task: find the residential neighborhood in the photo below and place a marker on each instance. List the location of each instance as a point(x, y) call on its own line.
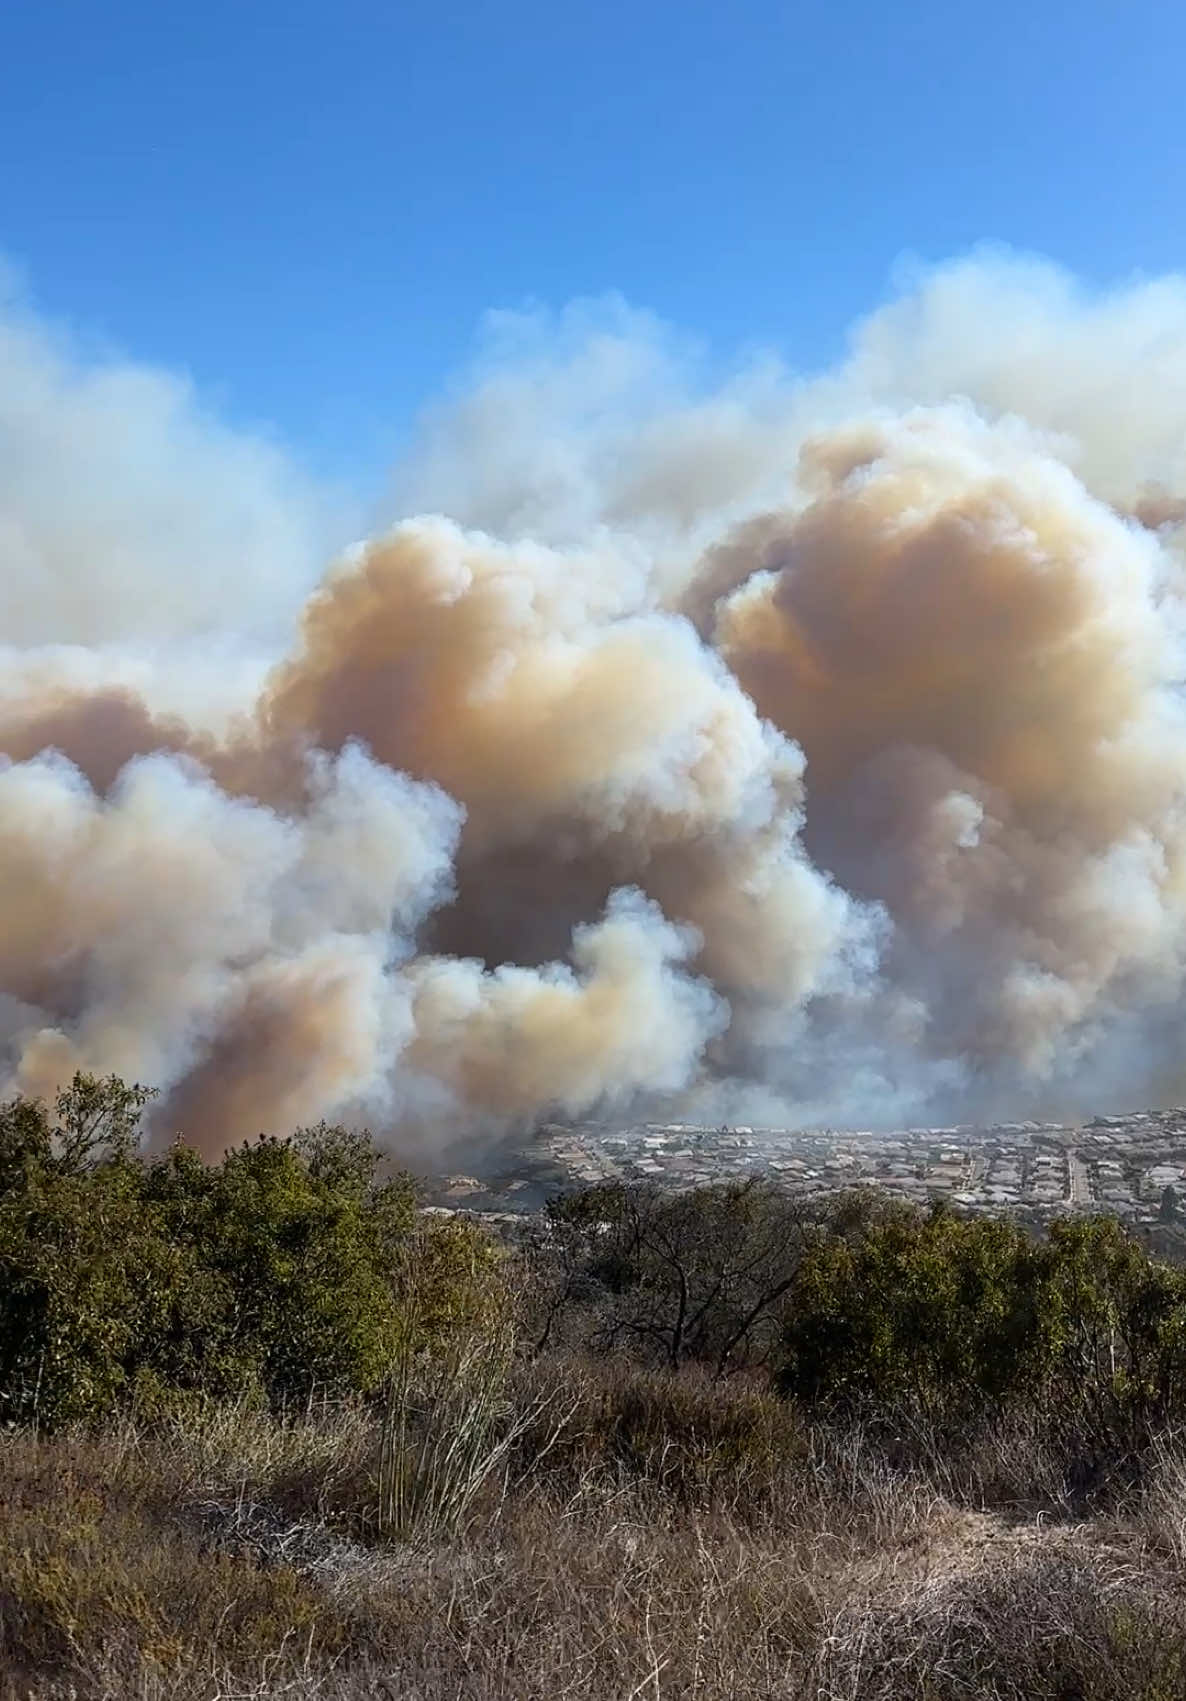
point(1132, 1165)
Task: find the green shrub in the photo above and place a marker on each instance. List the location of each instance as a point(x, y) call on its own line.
point(932, 1313)
point(294, 1269)
point(288, 1267)
point(952, 1320)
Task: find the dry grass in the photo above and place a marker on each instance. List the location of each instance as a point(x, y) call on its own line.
point(677, 1542)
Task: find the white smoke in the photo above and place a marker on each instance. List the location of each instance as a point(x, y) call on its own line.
point(808, 742)
point(139, 536)
point(600, 417)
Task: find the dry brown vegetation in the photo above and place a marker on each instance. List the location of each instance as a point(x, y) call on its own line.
point(681, 1538)
point(266, 1431)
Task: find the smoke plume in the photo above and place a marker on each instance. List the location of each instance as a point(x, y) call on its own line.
point(797, 747)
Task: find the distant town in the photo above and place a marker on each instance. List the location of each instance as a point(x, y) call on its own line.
point(1133, 1166)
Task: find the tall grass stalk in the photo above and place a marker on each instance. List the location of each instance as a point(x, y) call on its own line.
point(448, 1430)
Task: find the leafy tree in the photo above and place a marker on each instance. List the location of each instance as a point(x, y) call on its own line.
point(954, 1319)
point(1113, 1332)
point(90, 1118)
point(932, 1314)
point(290, 1266)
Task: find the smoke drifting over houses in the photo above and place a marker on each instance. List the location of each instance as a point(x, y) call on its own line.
point(816, 744)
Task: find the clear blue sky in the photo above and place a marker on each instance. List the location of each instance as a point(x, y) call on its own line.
point(308, 207)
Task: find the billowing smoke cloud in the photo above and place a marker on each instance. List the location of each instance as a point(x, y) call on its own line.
point(600, 418)
point(814, 745)
point(142, 542)
point(981, 666)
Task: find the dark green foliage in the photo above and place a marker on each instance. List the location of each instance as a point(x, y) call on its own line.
point(1112, 1325)
point(929, 1325)
point(283, 1269)
point(291, 1268)
point(91, 1119)
point(928, 1312)
point(952, 1320)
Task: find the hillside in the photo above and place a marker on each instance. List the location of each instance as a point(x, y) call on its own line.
point(270, 1430)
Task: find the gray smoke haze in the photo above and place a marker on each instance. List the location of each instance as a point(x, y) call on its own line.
point(810, 748)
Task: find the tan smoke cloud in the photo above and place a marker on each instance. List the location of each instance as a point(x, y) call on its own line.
point(593, 742)
point(824, 749)
point(622, 1020)
point(982, 667)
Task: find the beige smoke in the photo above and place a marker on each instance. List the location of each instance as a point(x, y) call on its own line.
point(981, 663)
point(824, 746)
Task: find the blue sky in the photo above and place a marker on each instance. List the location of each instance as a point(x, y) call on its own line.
point(309, 208)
